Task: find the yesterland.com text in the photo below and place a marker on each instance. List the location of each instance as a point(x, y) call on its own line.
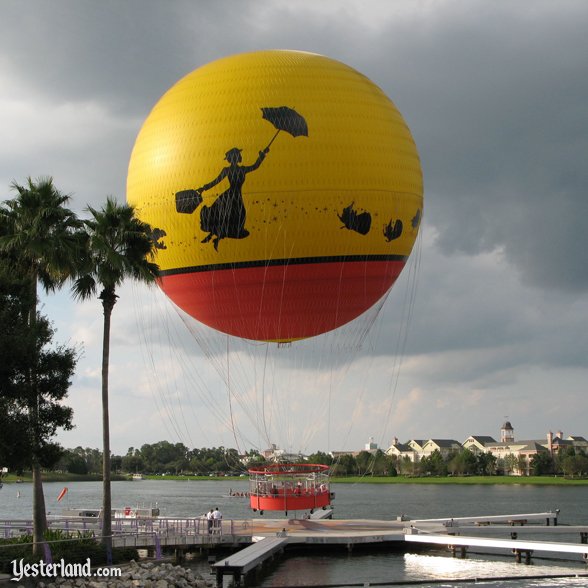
point(62, 569)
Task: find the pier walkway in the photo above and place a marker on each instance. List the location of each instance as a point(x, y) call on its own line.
point(449, 532)
point(259, 539)
point(241, 563)
point(516, 546)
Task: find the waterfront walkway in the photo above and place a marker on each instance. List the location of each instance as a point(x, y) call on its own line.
point(259, 539)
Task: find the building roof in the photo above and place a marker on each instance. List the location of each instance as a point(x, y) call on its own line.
point(483, 439)
point(518, 446)
point(558, 441)
point(402, 447)
point(532, 446)
point(419, 442)
point(448, 443)
point(507, 425)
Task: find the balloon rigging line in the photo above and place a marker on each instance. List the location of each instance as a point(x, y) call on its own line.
point(264, 421)
point(229, 393)
point(180, 357)
point(356, 335)
point(408, 306)
point(362, 333)
point(209, 353)
point(167, 404)
point(148, 358)
point(206, 395)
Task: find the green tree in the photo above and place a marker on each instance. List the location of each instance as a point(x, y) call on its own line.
point(119, 246)
point(133, 464)
point(434, 464)
point(344, 465)
point(384, 464)
point(364, 462)
point(462, 463)
point(254, 458)
point(29, 418)
point(560, 457)
point(541, 464)
point(509, 464)
point(320, 457)
point(575, 465)
point(522, 465)
point(406, 466)
point(485, 464)
point(40, 237)
point(116, 463)
point(76, 464)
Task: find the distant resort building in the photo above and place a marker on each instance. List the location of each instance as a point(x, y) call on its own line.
point(402, 450)
point(477, 443)
point(513, 457)
point(506, 433)
point(370, 447)
point(276, 454)
point(444, 446)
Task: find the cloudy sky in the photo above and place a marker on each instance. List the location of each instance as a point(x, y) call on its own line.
point(489, 320)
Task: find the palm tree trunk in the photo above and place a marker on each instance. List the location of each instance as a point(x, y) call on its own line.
point(108, 302)
point(39, 512)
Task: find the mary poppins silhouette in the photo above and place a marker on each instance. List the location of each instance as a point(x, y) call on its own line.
point(226, 216)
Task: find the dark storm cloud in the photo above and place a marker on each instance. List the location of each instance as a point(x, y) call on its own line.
point(112, 52)
point(125, 54)
point(495, 94)
point(497, 100)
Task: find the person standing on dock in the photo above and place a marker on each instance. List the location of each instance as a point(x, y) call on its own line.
point(217, 518)
point(210, 520)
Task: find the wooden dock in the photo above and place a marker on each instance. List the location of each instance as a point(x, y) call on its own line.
point(241, 563)
point(517, 547)
point(260, 539)
point(511, 519)
point(449, 532)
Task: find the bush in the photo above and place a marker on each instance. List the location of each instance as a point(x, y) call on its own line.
point(63, 546)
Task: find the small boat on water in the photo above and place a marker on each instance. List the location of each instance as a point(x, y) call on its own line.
point(127, 512)
point(136, 477)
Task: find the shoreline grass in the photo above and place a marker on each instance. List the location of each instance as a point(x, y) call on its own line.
point(466, 480)
point(455, 480)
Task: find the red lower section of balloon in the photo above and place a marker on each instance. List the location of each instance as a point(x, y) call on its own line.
point(290, 501)
point(282, 302)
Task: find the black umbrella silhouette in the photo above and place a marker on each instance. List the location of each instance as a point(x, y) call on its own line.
point(286, 119)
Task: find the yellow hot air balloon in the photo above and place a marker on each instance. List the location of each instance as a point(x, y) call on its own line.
point(285, 191)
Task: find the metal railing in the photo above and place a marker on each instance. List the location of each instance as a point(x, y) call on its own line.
point(161, 526)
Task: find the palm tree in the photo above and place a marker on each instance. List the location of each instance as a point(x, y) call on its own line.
point(41, 236)
point(119, 246)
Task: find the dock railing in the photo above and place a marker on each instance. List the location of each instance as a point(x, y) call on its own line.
point(510, 519)
point(460, 533)
point(126, 528)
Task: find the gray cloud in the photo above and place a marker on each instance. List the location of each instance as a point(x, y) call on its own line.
point(496, 97)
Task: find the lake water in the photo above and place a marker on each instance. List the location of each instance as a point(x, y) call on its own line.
point(339, 568)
